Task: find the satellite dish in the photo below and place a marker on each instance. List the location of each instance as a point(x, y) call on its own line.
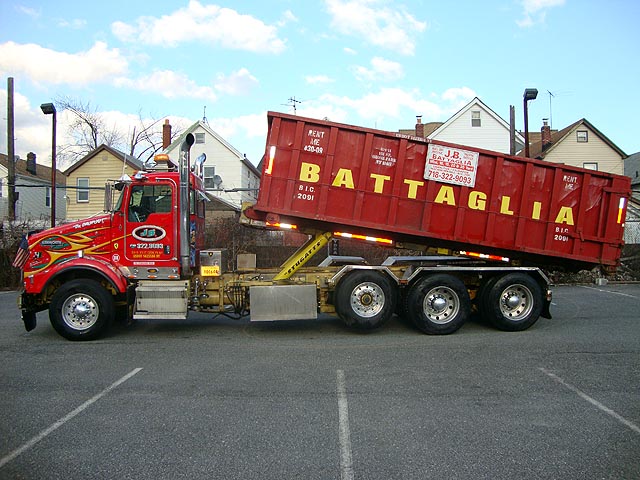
point(217, 181)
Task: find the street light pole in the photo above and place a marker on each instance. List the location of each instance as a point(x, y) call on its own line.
point(529, 94)
point(50, 109)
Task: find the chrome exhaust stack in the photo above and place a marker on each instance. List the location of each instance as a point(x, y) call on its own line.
point(185, 168)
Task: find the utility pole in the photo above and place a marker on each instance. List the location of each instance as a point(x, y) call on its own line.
point(11, 152)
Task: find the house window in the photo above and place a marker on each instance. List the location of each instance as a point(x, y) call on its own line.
point(590, 165)
point(199, 137)
point(47, 196)
point(582, 136)
point(209, 173)
point(475, 118)
point(82, 190)
point(1, 185)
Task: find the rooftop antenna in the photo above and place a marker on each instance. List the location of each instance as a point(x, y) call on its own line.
point(551, 95)
point(204, 116)
point(292, 103)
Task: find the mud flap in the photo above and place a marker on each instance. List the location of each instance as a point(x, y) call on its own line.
point(29, 319)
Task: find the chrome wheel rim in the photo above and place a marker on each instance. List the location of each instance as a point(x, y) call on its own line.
point(441, 305)
point(367, 299)
point(516, 302)
point(80, 311)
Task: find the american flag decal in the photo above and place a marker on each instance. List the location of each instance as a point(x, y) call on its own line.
point(22, 255)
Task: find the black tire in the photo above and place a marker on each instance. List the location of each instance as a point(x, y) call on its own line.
point(512, 302)
point(439, 304)
point(81, 310)
point(365, 300)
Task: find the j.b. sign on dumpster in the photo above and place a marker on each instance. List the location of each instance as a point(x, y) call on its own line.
point(451, 165)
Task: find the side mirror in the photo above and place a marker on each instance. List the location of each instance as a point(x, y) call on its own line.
point(108, 196)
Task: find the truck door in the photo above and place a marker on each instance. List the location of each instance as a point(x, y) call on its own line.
point(151, 225)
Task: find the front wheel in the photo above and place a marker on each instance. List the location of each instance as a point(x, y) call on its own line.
point(512, 302)
point(81, 310)
point(365, 300)
point(438, 304)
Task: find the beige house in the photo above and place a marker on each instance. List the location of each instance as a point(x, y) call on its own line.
point(579, 145)
point(87, 177)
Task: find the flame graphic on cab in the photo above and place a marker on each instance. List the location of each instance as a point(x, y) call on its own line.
point(56, 248)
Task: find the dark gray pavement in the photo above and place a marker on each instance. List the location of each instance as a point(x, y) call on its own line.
point(223, 399)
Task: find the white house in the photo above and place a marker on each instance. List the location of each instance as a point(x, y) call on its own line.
point(228, 175)
point(33, 191)
point(476, 125)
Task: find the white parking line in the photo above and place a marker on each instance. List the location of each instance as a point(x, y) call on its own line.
point(608, 291)
point(6, 459)
point(346, 464)
point(592, 401)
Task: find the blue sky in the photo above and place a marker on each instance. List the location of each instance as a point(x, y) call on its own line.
point(375, 63)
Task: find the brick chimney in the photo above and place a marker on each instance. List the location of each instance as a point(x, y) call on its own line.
point(545, 134)
point(419, 126)
point(166, 134)
point(31, 163)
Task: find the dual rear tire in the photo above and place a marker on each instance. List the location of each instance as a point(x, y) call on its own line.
point(438, 304)
point(511, 302)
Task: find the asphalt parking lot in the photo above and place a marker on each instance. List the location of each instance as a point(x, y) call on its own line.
point(223, 399)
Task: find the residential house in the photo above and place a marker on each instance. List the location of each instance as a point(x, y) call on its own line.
point(87, 177)
point(632, 224)
point(229, 177)
point(579, 145)
point(475, 125)
point(632, 170)
point(33, 191)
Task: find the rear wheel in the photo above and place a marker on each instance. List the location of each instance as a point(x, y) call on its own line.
point(81, 310)
point(365, 299)
point(512, 302)
point(439, 304)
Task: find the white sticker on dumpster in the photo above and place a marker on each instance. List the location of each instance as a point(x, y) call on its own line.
point(451, 165)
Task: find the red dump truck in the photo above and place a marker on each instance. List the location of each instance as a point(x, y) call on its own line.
point(503, 216)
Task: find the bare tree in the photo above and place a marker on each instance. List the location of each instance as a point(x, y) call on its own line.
point(146, 139)
point(89, 129)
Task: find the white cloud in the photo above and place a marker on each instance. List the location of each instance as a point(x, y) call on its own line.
point(385, 26)
point(169, 84)
point(28, 11)
point(287, 17)
point(381, 70)
point(238, 83)
point(323, 111)
point(318, 79)
point(349, 51)
point(535, 11)
point(75, 24)
point(389, 108)
point(387, 102)
point(210, 24)
point(43, 65)
point(32, 129)
point(459, 93)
